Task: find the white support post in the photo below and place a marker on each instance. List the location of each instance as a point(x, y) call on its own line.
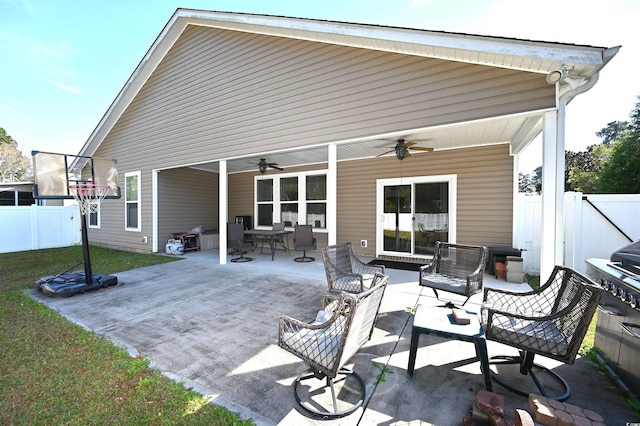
point(223, 210)
point(154, 210)
point(552, 192)
point(332, 194)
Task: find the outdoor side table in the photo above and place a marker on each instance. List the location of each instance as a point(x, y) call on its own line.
point(439, 321)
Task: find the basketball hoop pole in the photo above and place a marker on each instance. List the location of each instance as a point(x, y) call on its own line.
point(88, 273)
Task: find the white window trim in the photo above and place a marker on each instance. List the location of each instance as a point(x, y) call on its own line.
point(452, 180)
point(302, 202)
point(139, 228)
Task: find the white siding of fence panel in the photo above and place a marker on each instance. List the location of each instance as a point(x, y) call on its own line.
point(528, 229)
point(38, 227)
point(599, 238)
point(587, 233)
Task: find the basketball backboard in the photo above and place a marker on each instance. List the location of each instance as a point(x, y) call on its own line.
point(53, 173)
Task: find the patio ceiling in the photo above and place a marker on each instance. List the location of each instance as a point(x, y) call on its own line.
point(517, 130)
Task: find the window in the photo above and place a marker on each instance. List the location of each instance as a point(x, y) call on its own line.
point(292, 199)
point(316, 190)
point(264, 202)
point(16, 198)
point(132, 201)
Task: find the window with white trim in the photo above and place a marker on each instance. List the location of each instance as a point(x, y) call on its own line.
point(292, 198)
point(132, 201)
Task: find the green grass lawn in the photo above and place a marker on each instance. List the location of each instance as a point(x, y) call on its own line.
point(54, 372)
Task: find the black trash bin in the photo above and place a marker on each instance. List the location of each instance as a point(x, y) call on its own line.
point(500, 254)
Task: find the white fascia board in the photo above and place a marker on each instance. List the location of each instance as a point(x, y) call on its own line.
point(541, 56)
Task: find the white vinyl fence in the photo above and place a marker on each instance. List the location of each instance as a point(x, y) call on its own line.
point(38, 227)
point(594, 225)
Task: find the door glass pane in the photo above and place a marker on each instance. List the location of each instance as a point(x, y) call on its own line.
point(397, 224)
point(265, 190)
point(431, 216)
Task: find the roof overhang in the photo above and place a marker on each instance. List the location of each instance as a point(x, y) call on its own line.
point(585, 63)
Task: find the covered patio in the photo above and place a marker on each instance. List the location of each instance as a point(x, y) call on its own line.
point(214, 328)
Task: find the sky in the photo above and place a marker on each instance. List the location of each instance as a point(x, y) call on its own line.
point(63, 62)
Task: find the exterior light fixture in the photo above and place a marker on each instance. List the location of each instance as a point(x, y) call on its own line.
point(558, 75)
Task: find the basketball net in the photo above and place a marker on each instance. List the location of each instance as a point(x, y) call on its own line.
point(89, 196)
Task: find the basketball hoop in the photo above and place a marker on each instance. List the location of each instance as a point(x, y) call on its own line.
point(89, 196)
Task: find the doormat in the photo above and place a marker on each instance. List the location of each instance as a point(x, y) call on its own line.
point(393, 264)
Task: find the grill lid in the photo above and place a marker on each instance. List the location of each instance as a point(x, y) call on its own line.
point(628, 258)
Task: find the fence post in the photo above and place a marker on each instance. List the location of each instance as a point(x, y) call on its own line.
point(573, 230)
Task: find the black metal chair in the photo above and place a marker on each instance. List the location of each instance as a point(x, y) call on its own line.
point(344, 324)
point(303, 240)
point(345, 272)
point(550, 321)
point(236, 241)
point(455, 268)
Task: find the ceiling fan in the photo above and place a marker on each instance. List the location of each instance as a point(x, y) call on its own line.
point(263, 166)
point(403, 149)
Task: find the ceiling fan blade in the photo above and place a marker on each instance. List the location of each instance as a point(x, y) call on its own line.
point(420, 148)
point(385, 153)
point(275, 166)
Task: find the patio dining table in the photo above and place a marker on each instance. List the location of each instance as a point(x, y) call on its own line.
point(269, 234)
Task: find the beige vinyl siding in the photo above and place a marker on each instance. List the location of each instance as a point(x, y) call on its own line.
point(223, 94)
point(484, 202)
point(187, 198)
point(216, 88)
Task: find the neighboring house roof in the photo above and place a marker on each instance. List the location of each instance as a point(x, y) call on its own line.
point(16, 186)
point(585, 63)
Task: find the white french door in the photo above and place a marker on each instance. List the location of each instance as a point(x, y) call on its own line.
point(413, 213)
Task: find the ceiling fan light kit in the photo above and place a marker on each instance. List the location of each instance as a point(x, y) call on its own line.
point(403, 149)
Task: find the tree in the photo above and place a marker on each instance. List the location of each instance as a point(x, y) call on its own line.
point(530, 183)
point(582, 171)
point(621, 172)
point(614, 131)
point(14, 165)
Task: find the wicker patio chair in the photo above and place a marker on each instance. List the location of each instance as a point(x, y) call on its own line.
point(236, 241)
point(550, 321)
point(303, 240)
point(455, 268)
point(344, 324)
point(345, 272)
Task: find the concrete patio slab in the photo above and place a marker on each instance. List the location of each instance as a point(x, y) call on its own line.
point(214, 327)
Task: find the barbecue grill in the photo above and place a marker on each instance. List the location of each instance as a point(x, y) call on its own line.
point(618, 326)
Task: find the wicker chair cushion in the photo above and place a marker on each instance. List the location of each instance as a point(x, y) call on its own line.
point(542, 336)
point(445, 282)
point(348, 281)
point(317, 346)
